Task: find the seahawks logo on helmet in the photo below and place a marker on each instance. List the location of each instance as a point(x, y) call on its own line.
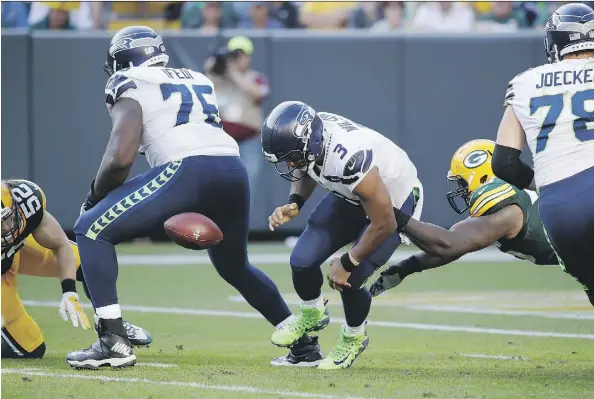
point(128, 43)
point(476, 158)
point(303, 123)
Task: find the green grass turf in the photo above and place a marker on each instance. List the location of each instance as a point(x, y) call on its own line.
point(222, 352)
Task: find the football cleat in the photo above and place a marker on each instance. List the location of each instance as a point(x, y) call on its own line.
point(308, 320)
point(137, 336)
point(343, 355)
point(301, 355)
point(109, 350)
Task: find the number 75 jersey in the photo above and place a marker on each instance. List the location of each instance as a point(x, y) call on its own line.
point(555, 106)
point(179, 111)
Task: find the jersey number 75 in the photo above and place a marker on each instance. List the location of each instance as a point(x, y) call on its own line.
point(210, 111)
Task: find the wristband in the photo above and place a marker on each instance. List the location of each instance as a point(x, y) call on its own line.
point(68, 285)
point(297, 199)
point(402, 219)
point(347, 262)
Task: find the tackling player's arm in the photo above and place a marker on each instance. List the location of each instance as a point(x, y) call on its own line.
point(126, 117)
point(510, 141)
point(49, 234)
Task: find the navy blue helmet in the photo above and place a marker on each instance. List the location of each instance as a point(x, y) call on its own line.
point(569, 29)
point(135, 46)
point(292, 132)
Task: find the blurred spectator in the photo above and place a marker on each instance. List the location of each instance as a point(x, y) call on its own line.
point(365, 15)
point(14, 14)
point(501, 18)
point(195, 14)
point(260, 18)
point(286, 12)
point(443, 16)
point(326, 14)
point(66, 15)
point(240, 92)
point(393, 17)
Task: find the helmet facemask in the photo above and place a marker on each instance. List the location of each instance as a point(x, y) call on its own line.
point(462, 192)
point(11, 225)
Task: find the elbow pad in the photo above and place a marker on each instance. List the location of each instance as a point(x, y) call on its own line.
point(507, 166)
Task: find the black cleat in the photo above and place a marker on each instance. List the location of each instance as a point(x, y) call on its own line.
point(109, 350)
point(302, 354)
point(137, 335)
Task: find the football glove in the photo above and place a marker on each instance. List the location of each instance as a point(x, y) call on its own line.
point(71, 307)
point(388, 279)
point(91, 200)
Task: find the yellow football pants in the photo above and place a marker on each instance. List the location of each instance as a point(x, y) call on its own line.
point(19, 331)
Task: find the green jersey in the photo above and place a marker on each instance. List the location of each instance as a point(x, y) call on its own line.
point(531, 242)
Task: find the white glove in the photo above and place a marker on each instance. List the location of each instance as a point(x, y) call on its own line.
point(70, 306)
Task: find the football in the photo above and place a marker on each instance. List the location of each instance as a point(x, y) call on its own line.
point(193, 231)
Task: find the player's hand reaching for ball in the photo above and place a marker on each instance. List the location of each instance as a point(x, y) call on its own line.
point(282, 215)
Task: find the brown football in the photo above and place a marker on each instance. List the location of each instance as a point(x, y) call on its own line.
point(193, 231)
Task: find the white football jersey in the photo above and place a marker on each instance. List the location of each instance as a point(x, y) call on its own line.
point(352, 150)
point(179, 111)
point(555, 106)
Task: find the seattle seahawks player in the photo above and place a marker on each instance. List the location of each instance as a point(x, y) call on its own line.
point(500, 214)
point(550, 107)
point(171, 116)
point(367, 176)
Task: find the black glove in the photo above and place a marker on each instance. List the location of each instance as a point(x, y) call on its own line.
point(91, 200)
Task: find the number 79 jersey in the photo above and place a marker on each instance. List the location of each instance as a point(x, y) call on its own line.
point(179, 111)
point(555, 106)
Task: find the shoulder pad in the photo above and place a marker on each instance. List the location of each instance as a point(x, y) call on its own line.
point(357, 164)
point(510, 93)
point(492, 197)
point(117, 85)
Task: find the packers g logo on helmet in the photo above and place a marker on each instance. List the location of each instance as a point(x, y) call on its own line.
point(476, 158)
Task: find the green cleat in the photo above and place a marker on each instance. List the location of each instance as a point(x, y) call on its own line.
point(346, 351)
point(308, 320)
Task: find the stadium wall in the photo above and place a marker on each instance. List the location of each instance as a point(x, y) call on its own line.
point(428, 93)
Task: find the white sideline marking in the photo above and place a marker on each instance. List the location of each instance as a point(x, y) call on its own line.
point(482, 356)
point(168, 260)
point(155, 364)
point(335, 320)
point(199, 385)
point(450, 309)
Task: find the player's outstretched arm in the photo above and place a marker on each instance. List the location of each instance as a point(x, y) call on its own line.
point(301, 190)
point(468, 235)
point(126, 117)
point(49, 234)
point(506, 157)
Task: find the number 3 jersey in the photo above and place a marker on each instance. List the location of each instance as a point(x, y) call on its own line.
point(179, 113)
point(352, 150)
point(555, 106)
point(27, 199)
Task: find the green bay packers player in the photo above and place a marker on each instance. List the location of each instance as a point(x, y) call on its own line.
point(500, 214)
point(33, 243)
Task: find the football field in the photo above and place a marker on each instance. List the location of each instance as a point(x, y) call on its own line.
point(480, 328)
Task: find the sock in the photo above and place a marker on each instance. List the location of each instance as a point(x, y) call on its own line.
point(354, 330)
point(112, 326)
point(80, 276)
point(100, 269)
point(308, 282)
point(356, 304)
point(285, 321)
point(317, 303)
point(109, 312)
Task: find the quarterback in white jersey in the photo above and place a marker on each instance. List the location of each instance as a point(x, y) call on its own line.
point(551, 107)
point(368, 177)
point(171, 116)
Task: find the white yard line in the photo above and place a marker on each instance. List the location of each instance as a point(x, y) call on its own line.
point(483, 356)
point(201, 258)
point(183, 384)
point(378, 323)
point(158, 365)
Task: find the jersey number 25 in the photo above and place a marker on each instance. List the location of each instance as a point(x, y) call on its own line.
point(555, 104)
point(187, 102)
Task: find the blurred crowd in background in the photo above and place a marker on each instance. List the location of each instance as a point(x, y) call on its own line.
point(472, 16)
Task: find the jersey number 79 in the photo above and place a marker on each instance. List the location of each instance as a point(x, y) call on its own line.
point(555, 104)
point(187, 102)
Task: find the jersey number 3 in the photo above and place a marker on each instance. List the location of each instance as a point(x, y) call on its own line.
point(187, 103)
point(555, 104)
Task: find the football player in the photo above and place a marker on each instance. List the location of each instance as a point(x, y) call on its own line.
point(500, 214)
point(33, 243)
point(550, 108)
point(367, 176)
point(171, 116)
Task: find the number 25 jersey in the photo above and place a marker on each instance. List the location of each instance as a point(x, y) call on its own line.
point(555, 106)
point(180, 114)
